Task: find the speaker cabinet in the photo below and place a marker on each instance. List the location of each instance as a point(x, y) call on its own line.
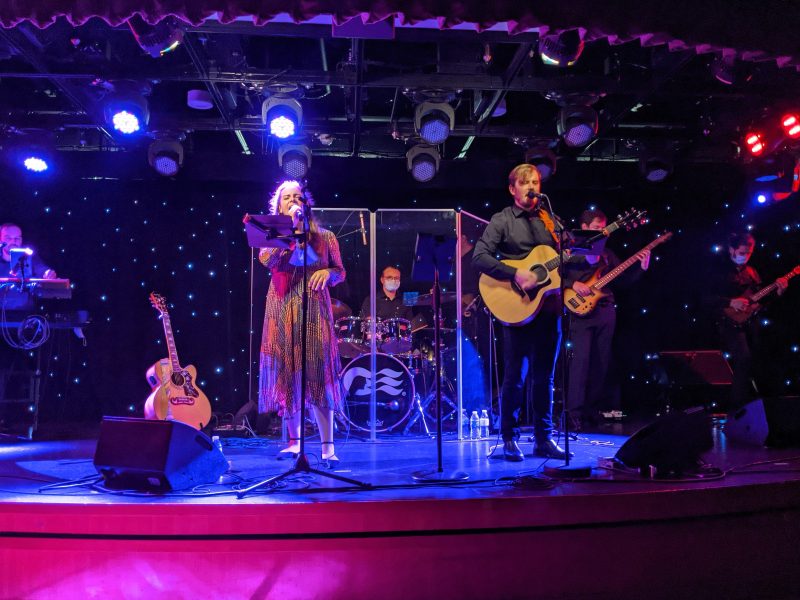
point(673, 442)
point(769, 422)
point(149, 455)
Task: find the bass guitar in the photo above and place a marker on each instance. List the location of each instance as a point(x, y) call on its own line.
point(512, 305)
point(740, 317)
point(174, 394)
point(583, 305)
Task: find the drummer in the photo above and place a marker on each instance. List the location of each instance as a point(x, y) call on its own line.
point(388, 304)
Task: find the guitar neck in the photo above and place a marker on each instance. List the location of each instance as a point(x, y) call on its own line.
point(173, 353)
point(770, 288)
point(620, 268)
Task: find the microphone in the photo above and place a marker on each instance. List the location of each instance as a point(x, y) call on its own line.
point(537, 195)
point(363, 229)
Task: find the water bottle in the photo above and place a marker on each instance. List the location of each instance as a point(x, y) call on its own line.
point(464, 424)
point(474, 426)
point(218, 445)
point(484, 424)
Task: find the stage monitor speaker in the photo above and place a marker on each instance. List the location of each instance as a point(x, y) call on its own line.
point(695, 367)
point(673, 442)
point(149, 455)
point(769, 422)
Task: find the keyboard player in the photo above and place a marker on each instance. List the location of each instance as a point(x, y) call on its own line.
point(10, 238)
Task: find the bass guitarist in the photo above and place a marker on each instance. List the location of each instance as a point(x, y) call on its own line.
point(591, 335)
point(730, 287)
point(512, 234)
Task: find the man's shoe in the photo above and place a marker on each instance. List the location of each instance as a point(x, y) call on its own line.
point(512, 452)
point(549, 449)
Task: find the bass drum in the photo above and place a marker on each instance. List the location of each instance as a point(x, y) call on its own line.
point(394, 392)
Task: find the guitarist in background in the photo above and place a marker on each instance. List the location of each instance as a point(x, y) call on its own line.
point(730, 286)
point(513, 233)
point(591, 335)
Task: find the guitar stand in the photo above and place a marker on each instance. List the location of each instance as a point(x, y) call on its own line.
point(302, 464)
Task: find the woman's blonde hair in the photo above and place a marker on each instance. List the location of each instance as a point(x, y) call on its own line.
point(275, 200)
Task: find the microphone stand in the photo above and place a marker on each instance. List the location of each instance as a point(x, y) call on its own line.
point(302, 465)
point(565, 471)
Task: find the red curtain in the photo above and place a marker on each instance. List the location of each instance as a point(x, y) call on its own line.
point(757, 30)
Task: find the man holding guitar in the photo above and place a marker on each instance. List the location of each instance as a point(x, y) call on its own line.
point(591, 335)
point(731, 289)
point(512, 234)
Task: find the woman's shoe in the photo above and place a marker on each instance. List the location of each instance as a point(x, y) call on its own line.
point(332, 461)
point(287, 454)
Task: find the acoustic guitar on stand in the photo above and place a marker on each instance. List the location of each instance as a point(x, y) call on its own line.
point(174, 394)
point(583, 305)
point(740, 317)
point(514, 306)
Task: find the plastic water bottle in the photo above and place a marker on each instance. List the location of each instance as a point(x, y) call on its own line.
point(484, 424)
point(218, 445)
point(464, 424)
point(474, 426)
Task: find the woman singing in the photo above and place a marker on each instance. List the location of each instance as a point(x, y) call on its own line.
point(281, 356)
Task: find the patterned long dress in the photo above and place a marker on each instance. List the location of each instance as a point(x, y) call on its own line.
point(281, 356)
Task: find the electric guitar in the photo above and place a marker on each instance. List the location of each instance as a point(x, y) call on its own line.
point(174, 395)
point(512, 305)
point(740, 317)
point(583, 305)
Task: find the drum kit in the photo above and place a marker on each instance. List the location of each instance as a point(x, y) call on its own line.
point(404, 371)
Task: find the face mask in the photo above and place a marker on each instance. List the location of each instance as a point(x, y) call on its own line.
point(392, 286)
point(739, 260)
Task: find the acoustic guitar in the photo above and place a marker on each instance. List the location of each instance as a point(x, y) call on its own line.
point(740, 317)
point(174, 394)
point(514, 306)
point(583, 305)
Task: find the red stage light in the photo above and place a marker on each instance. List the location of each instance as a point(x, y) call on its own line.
point(791, 125)
point(755, 143)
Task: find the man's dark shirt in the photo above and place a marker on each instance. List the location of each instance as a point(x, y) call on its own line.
point(386, 308)
point(729, 280)
point(512, 233)
point(577, 268)
point(38, 268)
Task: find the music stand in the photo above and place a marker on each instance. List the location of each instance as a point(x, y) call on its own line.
point(587, 242)
point(433, 260)
point(275, 231)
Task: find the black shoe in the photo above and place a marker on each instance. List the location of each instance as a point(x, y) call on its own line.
point(512, 452)
point(549, 449)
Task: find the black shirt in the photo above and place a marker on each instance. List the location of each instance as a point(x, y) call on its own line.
point(512, 233)
point(386, 308)
point(727, 281)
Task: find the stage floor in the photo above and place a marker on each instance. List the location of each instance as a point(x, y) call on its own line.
point(499, 519)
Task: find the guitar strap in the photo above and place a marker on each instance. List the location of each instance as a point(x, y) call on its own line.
point(549, 224)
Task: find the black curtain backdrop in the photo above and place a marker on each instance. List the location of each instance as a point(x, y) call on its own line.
point(119, 240)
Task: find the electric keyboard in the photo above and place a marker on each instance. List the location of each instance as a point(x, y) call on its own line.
point(40, 288)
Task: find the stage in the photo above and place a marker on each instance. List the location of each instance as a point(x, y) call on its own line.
point(507, 532)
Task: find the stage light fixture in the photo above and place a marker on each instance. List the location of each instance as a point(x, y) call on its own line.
point(434, 121)
point(34, 151)
point(577, 124)
point(655, 168)
point(561, 50)
point(791, 125)
point(159, 39)
point(294, 160)
point(543, 159)
point(165, 156)
point(754, 142)
point(423, 162)
point(126, 109)
point(723, 67)
point(35, 163)
point(282, 115)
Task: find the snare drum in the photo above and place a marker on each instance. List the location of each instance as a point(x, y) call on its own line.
point(394, 392)
point(350, 337)
point(396, 336)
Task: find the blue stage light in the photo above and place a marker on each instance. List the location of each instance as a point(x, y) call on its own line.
point(283, 116)
point(165, 156)
point(434, 121)
point(126, 109)
point(577, 125)
point(294, 160)
point(423, 162)
point(761, 198)
point(35, 164)
point(125, 122)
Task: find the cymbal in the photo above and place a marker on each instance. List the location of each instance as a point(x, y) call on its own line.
point(427, 299)
point(340, 309)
